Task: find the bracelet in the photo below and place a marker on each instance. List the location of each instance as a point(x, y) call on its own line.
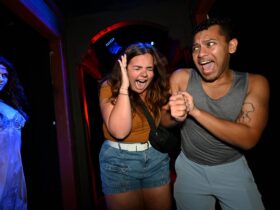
point(123, 91)
point(120, 93)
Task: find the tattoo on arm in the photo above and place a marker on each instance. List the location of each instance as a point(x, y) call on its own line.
point(244, 116)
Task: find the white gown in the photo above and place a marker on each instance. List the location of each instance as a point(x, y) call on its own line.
point(13, 194)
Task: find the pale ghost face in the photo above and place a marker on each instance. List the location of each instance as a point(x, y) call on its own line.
point(3, 76)
point(140, 71)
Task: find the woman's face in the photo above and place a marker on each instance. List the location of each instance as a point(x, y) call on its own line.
point(140, 71)
point(3, 76)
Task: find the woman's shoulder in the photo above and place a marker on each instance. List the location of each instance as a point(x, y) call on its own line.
point(105, 90)
point(105, 83)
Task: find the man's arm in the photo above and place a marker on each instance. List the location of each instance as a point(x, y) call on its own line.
point(175, 111)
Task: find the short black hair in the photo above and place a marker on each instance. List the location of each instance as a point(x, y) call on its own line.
point(226, 26)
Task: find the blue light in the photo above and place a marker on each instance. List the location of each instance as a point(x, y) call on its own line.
point(113, 46)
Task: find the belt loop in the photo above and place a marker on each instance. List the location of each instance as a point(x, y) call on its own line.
point(119, 145)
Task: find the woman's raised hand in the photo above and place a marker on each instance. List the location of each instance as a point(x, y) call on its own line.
point(123, 64)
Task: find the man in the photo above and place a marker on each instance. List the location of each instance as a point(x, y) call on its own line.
point(222, 113)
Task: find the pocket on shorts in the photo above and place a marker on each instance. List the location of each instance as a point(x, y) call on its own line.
point(111, 159)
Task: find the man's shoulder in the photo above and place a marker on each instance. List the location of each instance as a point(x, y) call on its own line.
point(179, 79)
point(257, 78)
point(181, 72)
point(258, 82)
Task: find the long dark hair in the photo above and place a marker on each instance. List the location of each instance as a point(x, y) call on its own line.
point(158, 90)
point(13, 92)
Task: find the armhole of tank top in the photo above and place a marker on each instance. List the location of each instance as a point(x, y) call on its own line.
point(190, 77)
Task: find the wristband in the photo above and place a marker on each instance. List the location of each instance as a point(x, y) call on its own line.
point(121, 93)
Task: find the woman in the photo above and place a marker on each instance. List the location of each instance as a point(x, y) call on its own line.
point(13, 193)
point(134, 175)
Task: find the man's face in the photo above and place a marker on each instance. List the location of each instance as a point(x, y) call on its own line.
point(211, 53)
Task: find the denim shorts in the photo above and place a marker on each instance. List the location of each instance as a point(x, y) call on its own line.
point(123, 171)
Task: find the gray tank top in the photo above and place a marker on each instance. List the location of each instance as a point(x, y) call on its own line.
point(197, 143)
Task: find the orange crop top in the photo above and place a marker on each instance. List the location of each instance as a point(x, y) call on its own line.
point(140, 128)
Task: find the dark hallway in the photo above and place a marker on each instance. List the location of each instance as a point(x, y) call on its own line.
point(30, 51)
